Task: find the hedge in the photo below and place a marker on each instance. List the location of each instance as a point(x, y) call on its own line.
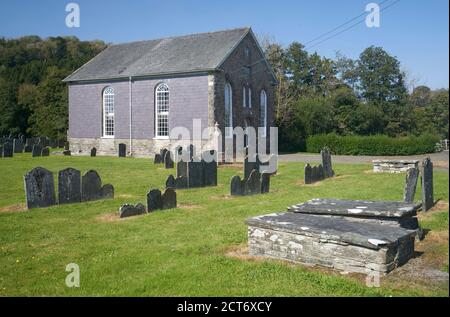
point(372, 145)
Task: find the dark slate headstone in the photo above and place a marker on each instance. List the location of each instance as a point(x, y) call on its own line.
point(178, 153)
point(158, 159)
point(39, 188)
point(182, 169)
point(130, 210)
point(163, 154)
point(1, 150)
point(315, 174)
point(18, 146)
point(195, 174)
point(154, 201)
point(236, 186)
point(61, 143)
point(326, 163)
point(8, 149)
point(69, 186)
point(53, 143)
point(45, 151)
point(170, 182)
point(169, 199)
point(412, 176)
point(66, 145)
point(37, 150)
point(250, 164)
point(181, 182)
point(210, 171)
point(28, 148)
point(320, 173)
point(191, 152)
point(67, 153)
point(427, 184)
point(265, 183)
point(168, 161)
point(253, 183)
point(122, 150)
point(91, 186)
point(93, 152)
point(308, 174)
point(107, 191)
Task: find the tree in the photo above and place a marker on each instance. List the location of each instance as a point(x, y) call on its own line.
point(420, 96)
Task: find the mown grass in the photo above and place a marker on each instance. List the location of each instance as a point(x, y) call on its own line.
point(181, 252)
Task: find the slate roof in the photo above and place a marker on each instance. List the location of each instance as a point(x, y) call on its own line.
point(181, 54)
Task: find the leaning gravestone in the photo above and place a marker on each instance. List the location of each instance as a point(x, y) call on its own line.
point(154, 201)
point(171, 182)
point(427, 184)
point(412, 176)
point(253, 183)
point(168, 161)
point(236, 186)
point(37, 150)
point(308, 174)
point(18, 146)
point(265, 183)
point(326, 163)
point(122, 150)
point(158, 159)
point(93, 152)
point(169, 199)
point(39, 188)
point(69, 186)
point(91, 186)
point(130, 210)
point(45, 151)
point(8, 149)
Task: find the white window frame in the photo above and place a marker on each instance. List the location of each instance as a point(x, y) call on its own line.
point(158, 113)
point(108, 96)
point(263, 105)
point(229, 90)
point(249, 97)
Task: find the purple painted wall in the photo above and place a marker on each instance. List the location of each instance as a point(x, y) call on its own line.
point(188, 100)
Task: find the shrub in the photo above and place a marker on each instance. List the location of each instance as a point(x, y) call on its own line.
point(372, 145)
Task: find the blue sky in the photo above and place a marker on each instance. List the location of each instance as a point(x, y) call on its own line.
point(416, 31)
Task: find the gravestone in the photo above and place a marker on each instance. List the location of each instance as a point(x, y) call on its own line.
point(36, 151)
point(169, 199)
point(61, 143)
point(52, 143)
point(67, 153)
point(171, 182)
point(168, 161)
point(250, 163)
point(45, 151)
point(157, 159)
point(18, 146)
point(182, 169)
point(210, 171)
point(253, 183)
point(28, 148)
point(1, 150)
point(191, 152)
point(122, 150)
point(195, 174)
point(178, 153)
point(91, 186)
point(154, 200)
point(66, 146)
point(412, 176)
point(265, 183)
point(236, 186)
point(39, 188)
point(320, 173)
point(130, 210)
point(308, 174)
point(181, 182)
point(107, 191)
point(93, 152)
point(427, 184)
point(163, 154)
point(326, 163)
point(8, 149)
point(69, 186)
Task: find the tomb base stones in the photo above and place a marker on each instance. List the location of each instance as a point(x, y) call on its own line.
point(158, 201)
point(393, 166)
point(412, 176)
point(91, 187)
point(427, 185)
point(39, 188)
point(122, 150)
point(130, 210)
point(8, 149)
point(256, 183)
point(93, 152)
point(69, 186)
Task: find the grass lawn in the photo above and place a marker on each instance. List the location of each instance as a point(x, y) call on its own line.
point(197, 249)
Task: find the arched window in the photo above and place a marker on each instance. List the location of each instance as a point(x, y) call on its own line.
point(162, 111)
point(228, 110)
point(246, 96)
point(108, 112)
point(263, 112)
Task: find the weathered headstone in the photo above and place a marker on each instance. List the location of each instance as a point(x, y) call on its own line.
point(66, 145)
point(250, 163)
point(91, 186)
point(191, 152)
point(157, 159)
point(427, 184)
point(265, 183)
point(236, 186)
point(154, 201)
point(326, 163)
point(130, 210)
point(170, 182)
point(122, 150)
point(45, 151)
point(169, 199)
point(163, 154)
point(1, 150)
point(253, 183)
point(181, 182)
point(18, 146)
point(182, 169)
point(107, 191)
point(8, 149)
point(28, 148)
point(61, 143)
point(69, 186)
point(320, 173)
point(37, 150)
point(39, 188)
point(168, 161)
point(93, 152)
point(210, 170)
point(308, 174)
point(195, 174)
point(412, 176)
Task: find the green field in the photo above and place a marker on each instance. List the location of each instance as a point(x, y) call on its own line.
point(197, 249)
